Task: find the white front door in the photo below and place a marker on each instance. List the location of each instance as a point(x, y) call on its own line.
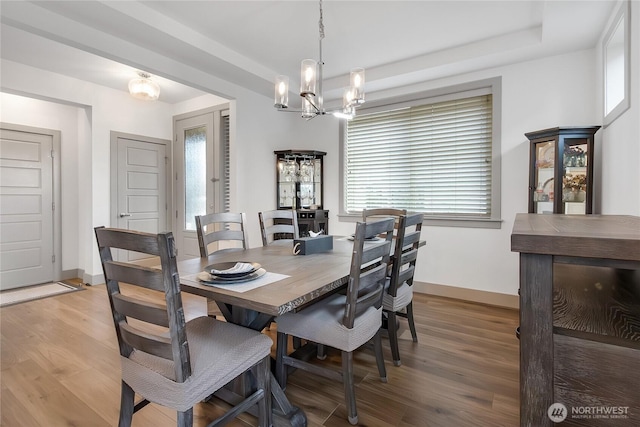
point(198, 176)
point(141, 188)
point(26, 207)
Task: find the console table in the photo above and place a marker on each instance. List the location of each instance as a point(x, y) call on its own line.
point(579, 318)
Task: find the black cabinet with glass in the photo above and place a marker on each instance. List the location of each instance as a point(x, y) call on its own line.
point(299, 178)
point(561, 170)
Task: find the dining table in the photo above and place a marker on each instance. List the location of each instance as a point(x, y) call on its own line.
point(289, 282)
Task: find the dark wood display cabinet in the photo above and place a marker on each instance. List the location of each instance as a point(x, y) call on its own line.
point(299, 178)
point(579, 319)
point(561, 170)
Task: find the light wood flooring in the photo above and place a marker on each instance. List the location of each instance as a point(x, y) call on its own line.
point(60, 367)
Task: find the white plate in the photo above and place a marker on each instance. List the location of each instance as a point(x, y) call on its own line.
point(232, 269)
point(207, 278)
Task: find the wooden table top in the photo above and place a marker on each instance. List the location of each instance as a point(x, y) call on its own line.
point(590, 236)
point(310, 276)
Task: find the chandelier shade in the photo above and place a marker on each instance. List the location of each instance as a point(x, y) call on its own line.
point(308, 76)
point(357, 86)
point(282, 92)
point(144, 88)
point(311, 88)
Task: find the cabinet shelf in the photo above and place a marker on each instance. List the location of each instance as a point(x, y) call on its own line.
point(597, 303)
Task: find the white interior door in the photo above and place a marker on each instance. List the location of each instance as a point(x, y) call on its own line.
point(141, 188)
point(197, 166)
point(26, 208)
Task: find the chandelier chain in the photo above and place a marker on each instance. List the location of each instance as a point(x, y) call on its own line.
point(321, 23)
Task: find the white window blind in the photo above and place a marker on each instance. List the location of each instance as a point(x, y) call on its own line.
point(226, 161)
point(433, 158)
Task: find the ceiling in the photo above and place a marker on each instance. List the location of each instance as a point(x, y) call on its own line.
point(189, 46)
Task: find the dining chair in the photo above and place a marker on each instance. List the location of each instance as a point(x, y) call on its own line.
point(165, 359)
point(345, 321)
point(397, 299)
point(221, 227)
point(375, 214)
point(278, 224)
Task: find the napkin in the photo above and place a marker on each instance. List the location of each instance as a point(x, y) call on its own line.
point(240, 267)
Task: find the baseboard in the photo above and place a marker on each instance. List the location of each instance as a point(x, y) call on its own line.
point(97, 279)
point(474, 295)
point(71, 274)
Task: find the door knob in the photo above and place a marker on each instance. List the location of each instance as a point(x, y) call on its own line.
point(122, 214)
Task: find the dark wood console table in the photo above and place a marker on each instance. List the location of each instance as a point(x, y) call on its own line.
point(579, 318)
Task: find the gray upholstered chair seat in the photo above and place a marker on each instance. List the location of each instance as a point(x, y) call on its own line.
point(404, 295)
point(322, 323)
point(214, 362)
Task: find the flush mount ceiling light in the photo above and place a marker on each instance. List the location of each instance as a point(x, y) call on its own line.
point(144, 88)
point(311, 88)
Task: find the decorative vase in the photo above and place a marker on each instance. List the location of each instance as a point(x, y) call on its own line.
point(568, 195)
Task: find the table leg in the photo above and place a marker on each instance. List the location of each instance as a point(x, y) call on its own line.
point(284, 413)
point(536, 339)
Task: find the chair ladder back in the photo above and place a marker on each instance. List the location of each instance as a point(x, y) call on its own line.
point(405, 252)
point(406, 275)
point(279, 228)
point(175, 310)
point(382, 212)
point(270, 225)
point(128, 240)
point(215, 227)
point(375, 252)
point(146, 277)
point(224, 235)
point(164, 281)
point(140, 309)
point(138, 339)
point(368, 268)
point(369, 287)
point(411, 239)
point(376, 214)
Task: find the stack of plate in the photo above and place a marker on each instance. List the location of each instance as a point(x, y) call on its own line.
point(368, 239)
point(226, 273)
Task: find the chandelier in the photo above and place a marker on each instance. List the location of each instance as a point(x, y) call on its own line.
point(144, 88)
point(311, 88)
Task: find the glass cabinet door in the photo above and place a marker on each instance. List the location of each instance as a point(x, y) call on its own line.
point(287, 178)
point(561, 170)
point(299, 176)
point(545, 160)
point(574, 176)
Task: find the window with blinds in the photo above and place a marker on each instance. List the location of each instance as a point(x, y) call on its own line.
point(226, 196)
point(434, 158)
